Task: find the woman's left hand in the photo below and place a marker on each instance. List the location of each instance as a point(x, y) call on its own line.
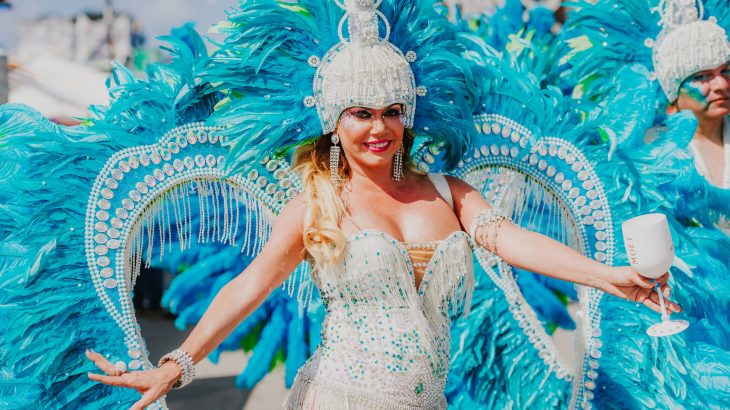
point(626, 283)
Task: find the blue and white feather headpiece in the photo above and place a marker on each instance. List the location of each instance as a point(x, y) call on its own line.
point(681, 37)
point(687, 44)
point(288, 69)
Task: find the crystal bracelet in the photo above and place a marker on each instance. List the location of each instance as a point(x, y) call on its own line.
point(185, 361)
point(485, 228)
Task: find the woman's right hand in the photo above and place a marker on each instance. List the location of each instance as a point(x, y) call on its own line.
point(153, 384)
point(626, 283)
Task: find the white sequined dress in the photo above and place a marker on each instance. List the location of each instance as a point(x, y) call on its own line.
point(385, 343)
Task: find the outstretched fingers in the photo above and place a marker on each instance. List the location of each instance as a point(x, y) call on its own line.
point(124, 380)
point(652, 305)
point(102, 363)
point(141, 381)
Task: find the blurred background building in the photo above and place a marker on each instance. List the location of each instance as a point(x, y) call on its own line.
point(56, 56)
point(60, 63)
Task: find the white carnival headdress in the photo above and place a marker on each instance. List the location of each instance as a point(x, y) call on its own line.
point(687, 44)
point(288, 70)
point(363, 71)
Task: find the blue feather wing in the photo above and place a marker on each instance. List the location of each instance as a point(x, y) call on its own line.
point(47, 307)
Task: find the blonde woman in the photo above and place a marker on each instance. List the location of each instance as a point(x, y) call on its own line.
point(391, 248)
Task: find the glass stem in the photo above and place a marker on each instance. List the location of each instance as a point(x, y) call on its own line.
point(665, 315)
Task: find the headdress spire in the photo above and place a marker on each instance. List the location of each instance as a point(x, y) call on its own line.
point(362, 17)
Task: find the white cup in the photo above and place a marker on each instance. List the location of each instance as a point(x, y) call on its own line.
point(649, 246)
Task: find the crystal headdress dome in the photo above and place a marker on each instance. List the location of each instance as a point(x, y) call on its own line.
point(687, 44)
point(363, 71)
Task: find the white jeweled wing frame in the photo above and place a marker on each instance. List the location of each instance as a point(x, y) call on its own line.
point(136, 189)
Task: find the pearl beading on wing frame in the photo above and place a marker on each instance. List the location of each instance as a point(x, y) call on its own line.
point(555, 162)
point(588, 201)
point(130, 181)
point(589, 205)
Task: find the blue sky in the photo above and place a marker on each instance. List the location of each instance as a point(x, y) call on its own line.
point(157, 16)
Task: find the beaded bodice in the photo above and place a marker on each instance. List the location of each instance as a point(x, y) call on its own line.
point(383, 335)
point(420, 254)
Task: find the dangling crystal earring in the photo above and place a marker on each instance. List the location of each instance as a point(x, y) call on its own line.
point(398, 164)
point(335, 159)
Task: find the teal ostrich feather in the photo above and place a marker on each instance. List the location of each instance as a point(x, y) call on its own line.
point(599, 39)
point(172, 95)
point(49, 312)
point(687, 370)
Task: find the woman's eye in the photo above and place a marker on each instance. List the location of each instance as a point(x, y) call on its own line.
point(393, 113)
point(362, 114)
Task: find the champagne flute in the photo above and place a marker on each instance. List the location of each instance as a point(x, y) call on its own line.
point(650, 251)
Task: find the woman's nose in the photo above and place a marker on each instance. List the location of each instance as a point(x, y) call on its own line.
point(720, 82)
point(378, 125)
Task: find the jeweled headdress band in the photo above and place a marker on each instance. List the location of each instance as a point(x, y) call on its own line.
point(364, 70)
point(687, 44)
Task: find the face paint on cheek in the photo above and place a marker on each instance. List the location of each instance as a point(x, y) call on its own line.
point(695, 92)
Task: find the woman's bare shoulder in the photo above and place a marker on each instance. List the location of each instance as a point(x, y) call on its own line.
point(458, 185)
point(467, 200)
point(291, 218)
point(296, 205)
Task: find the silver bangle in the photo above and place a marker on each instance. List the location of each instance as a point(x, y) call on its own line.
point(185, 361)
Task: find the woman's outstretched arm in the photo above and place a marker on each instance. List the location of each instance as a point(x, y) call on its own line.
point(233, 303)
point(540, 254)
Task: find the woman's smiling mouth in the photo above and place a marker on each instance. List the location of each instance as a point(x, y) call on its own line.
point(378, 146)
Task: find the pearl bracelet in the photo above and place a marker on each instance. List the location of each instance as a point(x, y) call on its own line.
point(485, 228)
point(185, 361)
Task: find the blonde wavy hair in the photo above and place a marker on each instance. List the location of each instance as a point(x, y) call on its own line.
point(323, 237)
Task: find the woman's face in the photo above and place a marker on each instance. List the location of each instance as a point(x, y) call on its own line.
point(371, 137)
point(706, 93)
